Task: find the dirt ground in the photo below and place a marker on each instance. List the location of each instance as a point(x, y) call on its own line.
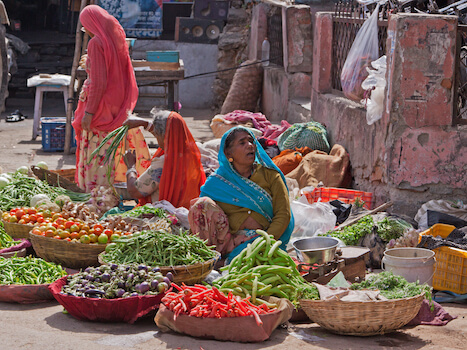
point(45, 326)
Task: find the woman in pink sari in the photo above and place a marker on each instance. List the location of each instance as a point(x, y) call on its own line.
point(108, 96)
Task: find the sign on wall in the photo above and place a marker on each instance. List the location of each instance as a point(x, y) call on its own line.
point(139, 18)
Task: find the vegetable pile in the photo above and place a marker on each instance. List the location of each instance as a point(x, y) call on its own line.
point(202, 301)
point(5, 239)
point(387, 229)
point(158, 248)
point(114, 281)
point(28, 270)
point(262, 269)
point(392, 286)
point(19, 191)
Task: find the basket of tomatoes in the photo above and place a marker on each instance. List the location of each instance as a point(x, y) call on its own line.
point(71, 242)
point(19, 221)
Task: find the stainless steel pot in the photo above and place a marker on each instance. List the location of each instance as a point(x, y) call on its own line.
point(316, 250)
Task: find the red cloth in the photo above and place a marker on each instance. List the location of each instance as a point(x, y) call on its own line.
point(110, 92)
point(438, 317)
point(259, 122)
point(25, 294)
point(182, 174)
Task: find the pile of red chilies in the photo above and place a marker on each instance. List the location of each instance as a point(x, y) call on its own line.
point(202, 301)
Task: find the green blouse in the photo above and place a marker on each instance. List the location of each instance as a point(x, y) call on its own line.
point(271, 181)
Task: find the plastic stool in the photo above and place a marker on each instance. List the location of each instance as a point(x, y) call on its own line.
point(40, 89)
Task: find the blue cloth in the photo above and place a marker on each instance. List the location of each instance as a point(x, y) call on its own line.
point(227, 186)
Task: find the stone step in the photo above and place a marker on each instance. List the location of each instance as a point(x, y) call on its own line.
point(299, 110)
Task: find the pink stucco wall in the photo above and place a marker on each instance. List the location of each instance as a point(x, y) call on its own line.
point(413, 154)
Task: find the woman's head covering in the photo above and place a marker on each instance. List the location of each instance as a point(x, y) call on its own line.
point(227, 186)
point(182, 174)
point(121, 92)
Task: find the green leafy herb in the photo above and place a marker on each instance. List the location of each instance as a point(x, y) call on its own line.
point(389, 228)
point(350, 235)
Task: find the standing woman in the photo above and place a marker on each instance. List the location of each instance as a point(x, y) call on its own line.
point(109, 94)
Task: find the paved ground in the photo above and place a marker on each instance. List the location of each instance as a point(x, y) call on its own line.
point(44, 326)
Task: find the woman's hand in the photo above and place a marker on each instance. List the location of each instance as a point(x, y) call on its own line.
point(86, 121)
point(82, 61)
point(135, 122)
point(130, 158)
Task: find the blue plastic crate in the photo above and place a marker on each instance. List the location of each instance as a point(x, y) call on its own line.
point(162, 56)
point(53, 134)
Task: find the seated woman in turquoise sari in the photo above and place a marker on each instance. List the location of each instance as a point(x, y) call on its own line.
point(247, 192)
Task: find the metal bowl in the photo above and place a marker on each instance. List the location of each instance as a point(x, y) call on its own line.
point(316, 250)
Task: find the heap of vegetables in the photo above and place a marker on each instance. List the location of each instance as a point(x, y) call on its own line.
point(5, 239)
point(158, 248)
point(29, 270)
point(262, 269)
point(393, 286)
point(117, 281)
point(202, 301)
point(21, 188)
point(387, 228)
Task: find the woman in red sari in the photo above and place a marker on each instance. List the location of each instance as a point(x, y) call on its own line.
point(175, 173)
point(109, 94)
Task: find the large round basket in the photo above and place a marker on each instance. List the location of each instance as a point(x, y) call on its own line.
point(68, 254)
point(362, 318)
point(188, 274)
point(17, 230)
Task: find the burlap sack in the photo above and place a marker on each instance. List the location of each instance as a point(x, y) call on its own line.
point(332, 169)
point(245, 89)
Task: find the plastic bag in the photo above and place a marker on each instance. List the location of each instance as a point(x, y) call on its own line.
point(364, 50)
point(311, 219)
point(376, 83)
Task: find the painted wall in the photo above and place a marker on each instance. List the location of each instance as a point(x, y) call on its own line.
point(413, 154)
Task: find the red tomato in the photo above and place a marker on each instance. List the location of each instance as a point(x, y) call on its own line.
point(33, 218)
point(36, 231)
point(40, 218)
point(74, 235)
point(108, 232)
point(32, 211)
point(49, 233)
point(19, 213)
point(60, 221)
point(68, 224)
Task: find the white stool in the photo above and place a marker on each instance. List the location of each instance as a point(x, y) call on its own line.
point(44, 83)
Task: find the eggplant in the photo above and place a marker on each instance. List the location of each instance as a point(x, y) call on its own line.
point(134, 294)
point(170, 276)
point(156, 269)
point(94, 291)
point(88, 269)
point(130, 276)
point(105, 277)
point(97, 280)
point(142, 267)
point(144, 287)
point(119, 293)
point(121, 284)
point(89, 277)
point(162, 287)
point(154, 284)
point(167, 281)
point(113, 267)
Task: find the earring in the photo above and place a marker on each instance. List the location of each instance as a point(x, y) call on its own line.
point(230, 160)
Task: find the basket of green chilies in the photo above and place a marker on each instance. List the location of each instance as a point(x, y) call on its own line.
point(186, 256)
point(26, 280)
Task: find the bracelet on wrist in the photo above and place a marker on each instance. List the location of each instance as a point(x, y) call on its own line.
point(131, 170)
point(149, 126)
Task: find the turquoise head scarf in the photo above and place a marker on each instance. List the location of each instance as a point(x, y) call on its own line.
point(227, 186)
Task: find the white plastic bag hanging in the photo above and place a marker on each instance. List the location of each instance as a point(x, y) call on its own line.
point(375, 83)
point(364, 50)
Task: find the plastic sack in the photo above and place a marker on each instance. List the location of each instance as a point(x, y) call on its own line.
point(457, 209)
point(376, 83)
point(311, 219)
point(364, 50)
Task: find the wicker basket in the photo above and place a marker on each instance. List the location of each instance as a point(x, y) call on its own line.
point(68, 254)
point(17, 230)
point(188, 274)
point(62, 178)
point(362, 318)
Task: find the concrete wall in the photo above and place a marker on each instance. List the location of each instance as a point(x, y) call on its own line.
point(413, 154)
point(198, 58)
